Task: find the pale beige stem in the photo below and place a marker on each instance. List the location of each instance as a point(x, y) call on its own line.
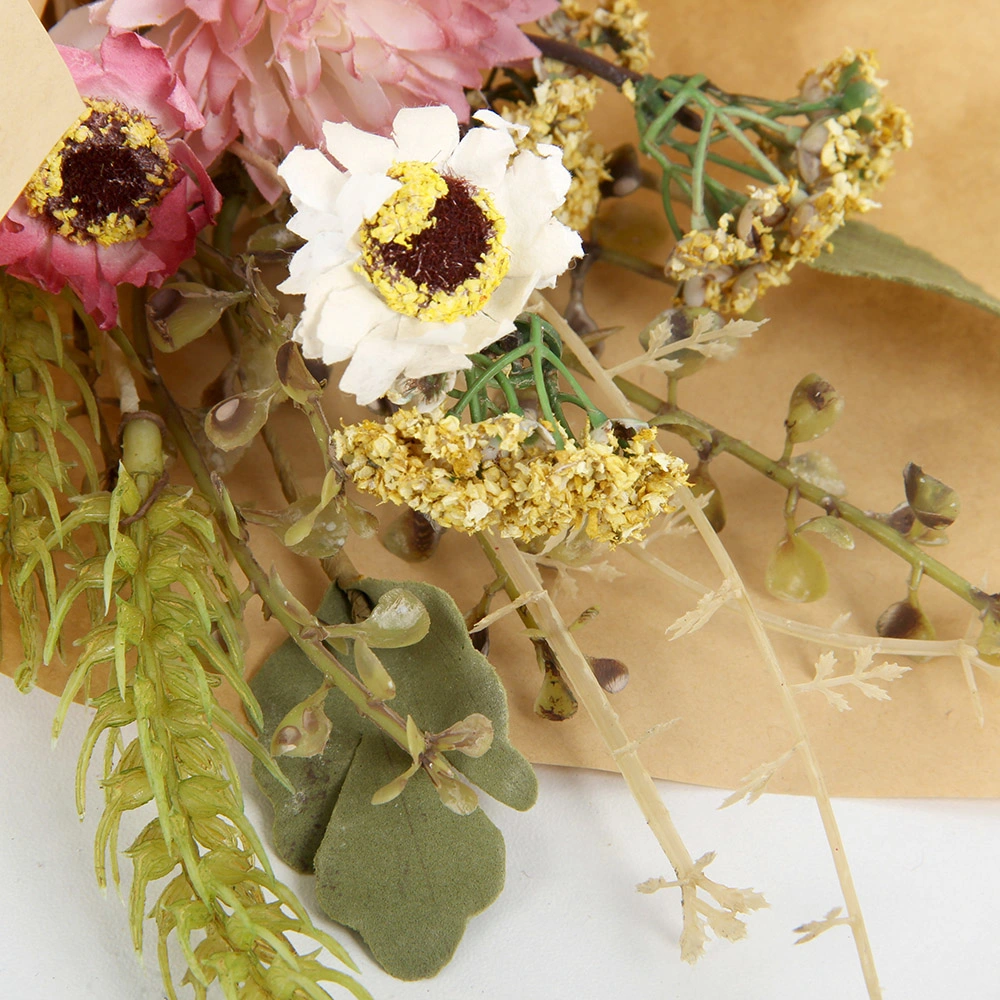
point(509, 560)
point(620, 406)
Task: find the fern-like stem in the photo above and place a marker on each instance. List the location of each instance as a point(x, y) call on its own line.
point(801, 737)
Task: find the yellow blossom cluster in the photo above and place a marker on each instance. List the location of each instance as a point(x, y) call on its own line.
point(559, 116)
point(840, 161)
point(477, 476)
point(624, 21)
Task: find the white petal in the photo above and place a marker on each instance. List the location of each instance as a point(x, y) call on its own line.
point(321, 254)
point(434, 361)
point(497, 317)
point(349, 317)
point(362, 196)
point(312, 179)
point(492, 120)
point(359, 152)
point(532, 190)
point(309, 223)
point(482, 158)
point(547, 254)
point(374, 367)
point(427, 134)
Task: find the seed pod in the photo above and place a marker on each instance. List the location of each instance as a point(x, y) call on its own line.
point(626, 172)
point(304, 731)
point(988, 644)
point(555, 701)
point(185, 311)
point(611, 674)
point(813, 409)
point(701, 483)
point(904, 620)
point(236, 421)
point(413, 536)
point(796, 571)
point(934, 504)
point(398, 619)
point(294, 375)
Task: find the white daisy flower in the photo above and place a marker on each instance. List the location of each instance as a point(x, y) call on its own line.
point(422, 249)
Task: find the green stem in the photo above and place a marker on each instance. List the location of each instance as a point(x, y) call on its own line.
point(540, 387)
point(372, 708)
point(882, 533)
point(698, 219)
point(754, 150)
point(651, 134)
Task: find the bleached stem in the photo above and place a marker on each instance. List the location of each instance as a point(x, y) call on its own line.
point(620, 406)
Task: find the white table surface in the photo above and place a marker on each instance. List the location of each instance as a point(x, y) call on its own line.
point(569, 923)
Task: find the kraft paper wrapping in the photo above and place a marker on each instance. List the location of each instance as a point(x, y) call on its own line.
point(919, 374)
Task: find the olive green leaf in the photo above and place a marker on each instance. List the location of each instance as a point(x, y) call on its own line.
point(860, 250)
point(407, 874)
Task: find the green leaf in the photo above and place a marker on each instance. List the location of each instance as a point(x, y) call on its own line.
point(860, 250)
point(407, 874)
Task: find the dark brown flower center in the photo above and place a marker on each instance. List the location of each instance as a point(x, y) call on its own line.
point(451, 249)
point(105, 176)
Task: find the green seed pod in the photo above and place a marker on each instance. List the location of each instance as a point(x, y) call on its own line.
point(398, 619)
point(294, 376)
point(555, 701)
point(304, 731)
point(934, 504)
point(988, 644)
point(701, 482)
point(859, 94)
point(236, 421)
point(905, 620)
point(813, 409)
point(184, 311)
point(796, 571)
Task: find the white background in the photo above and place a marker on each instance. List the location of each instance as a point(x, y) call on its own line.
point(569, 923)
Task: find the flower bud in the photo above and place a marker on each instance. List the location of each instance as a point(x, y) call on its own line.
point(421, 394)
point(796, 571)
point(813, 409)
point(412, 536)
point(185, 311)
point(934, 504)
point(904, 620)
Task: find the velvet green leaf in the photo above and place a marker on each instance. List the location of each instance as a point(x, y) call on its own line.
point(860, 250)
point(408, 874)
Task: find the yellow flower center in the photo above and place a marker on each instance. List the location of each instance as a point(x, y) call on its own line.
point(105, 175)
point(433, 249)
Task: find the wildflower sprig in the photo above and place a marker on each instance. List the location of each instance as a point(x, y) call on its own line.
point(35, 477)
point(528, 359)
point(168, 635)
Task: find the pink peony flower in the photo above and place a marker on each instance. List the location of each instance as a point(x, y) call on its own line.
point(275, 70)
point(121, 198)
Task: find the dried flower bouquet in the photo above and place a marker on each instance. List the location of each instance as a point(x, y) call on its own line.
point(362, 203)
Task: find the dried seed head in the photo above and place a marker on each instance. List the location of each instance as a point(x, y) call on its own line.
point(611, 674)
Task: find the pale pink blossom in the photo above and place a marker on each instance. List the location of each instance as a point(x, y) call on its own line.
point(275, 70)
point(92, 217)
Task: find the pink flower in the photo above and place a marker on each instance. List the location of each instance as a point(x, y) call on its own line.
point(275, 70)
point(121, 198)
